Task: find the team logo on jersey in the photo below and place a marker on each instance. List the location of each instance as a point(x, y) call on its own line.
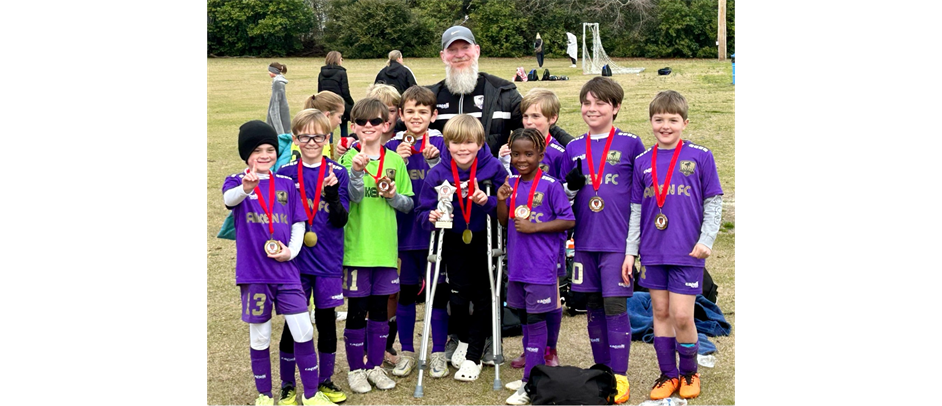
point(613, 157)
point(537, 199)
point(282, 196)
point(391, 173)
point(544, 167)
point(687, 167)
point(479, 101)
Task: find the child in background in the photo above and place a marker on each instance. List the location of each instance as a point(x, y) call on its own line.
point(676, 205)
point(601, 207)
point(323, 184)
point(332, 106)
point(268, 211)
point(420, 148)
point(379, 187)
point(278, 115)
point(541, 214)
point(464, 248)
point(390, 97)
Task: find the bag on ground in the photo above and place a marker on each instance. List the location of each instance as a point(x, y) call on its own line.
point(569, 385)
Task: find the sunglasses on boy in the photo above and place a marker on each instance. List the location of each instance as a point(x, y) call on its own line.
point(374, 121)
point(318, 138)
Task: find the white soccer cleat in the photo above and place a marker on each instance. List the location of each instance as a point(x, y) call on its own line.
point(377, 376)
point(358, 381)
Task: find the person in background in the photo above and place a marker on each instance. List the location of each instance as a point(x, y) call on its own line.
point(278, 115)
point(538, 48)
point(395, 73)
point(572, 48)
point(333, 77)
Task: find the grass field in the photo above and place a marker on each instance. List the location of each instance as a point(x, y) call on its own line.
point(238, 90)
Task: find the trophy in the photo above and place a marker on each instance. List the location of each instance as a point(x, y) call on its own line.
point(445, 192)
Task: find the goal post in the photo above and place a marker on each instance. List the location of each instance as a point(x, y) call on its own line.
point(592, 61)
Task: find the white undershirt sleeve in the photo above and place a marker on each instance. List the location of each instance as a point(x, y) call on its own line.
point(234, 196)
point(297, 237)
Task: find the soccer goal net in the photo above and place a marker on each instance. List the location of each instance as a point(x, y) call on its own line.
point(592, 64)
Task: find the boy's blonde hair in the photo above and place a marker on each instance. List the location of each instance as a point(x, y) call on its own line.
point(545, 99)
point(605, 89)
point(369, 108)
point(394, 56)
point(670, 102)
point(326, 101)
point(307, 117)
point(385, 93)
point(463, 128)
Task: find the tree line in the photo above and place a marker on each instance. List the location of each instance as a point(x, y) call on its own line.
point(504, 28)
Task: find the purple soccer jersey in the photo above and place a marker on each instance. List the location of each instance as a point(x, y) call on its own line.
point(489, 168)
point(251, 227)
point(411, 236)
point(326, 257)
point(554, 160)
point(693, 180)
point(606, 230)
point(532, 258)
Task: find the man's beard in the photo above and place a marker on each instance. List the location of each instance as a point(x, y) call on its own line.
point(461, 81)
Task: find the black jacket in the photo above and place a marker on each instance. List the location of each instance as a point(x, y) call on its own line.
point(396, 75)
point(333, 78)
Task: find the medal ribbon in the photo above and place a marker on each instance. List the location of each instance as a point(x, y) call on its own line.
point(548, 138)
point(424, 143)
point(465, 210)
point(379, 172)
point(319, 182)
point(660, 197)
point(271, 200)
point(513, 198)
point(597, 178)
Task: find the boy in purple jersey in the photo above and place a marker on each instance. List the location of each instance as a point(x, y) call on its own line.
point(541, 214)
point(540, 109)
point(268, 211)
point(420, 148)
point(324, 186)
point(379, 187)
point(601, 208)
point(464, 250)
point(676, 203)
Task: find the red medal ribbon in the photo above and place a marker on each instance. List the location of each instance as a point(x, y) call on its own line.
point(513, 198)
point(271, 199)
point(660, 197)
point(379, 172)
point(548, 138)
point(465, 210)
point(597, 178)
point(424, 143)
point(311, 212)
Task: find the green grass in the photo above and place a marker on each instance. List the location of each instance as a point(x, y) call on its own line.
point(238, 90)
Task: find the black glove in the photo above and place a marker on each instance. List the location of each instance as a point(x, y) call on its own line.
point(575, 180)
point(332, 193)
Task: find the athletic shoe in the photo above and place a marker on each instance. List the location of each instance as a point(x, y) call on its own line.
point(519, 397)
point(468, 372)
point(319, 399)
point(377, 376)
point(405, 364)
point(334, 393)
point(391, 357)
point(690, 386)
point(519, 362)
point(550, 357)
point(487, 357)
point(438, 365)
point(264, 399)
point(623, 389)
point(288, 396)
point(514, 385)
point(572, 66)
point(663, 387)
point(358, 381)
point(451, 345)
point(458, 357)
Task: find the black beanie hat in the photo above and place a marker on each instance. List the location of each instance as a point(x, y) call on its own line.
point(255, 133)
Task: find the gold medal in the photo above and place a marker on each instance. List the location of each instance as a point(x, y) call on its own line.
point(596, 204)
point(272, 247)
point(466, 236)
point(384, 184)
point(522, 212)
point(660, 221)
point(310, 238)
point(409, 139)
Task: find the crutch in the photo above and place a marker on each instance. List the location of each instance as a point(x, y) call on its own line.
point(497, 253)
point(430, 285)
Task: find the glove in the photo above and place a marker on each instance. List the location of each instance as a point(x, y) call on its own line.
point(575, 180)
point(332, 193)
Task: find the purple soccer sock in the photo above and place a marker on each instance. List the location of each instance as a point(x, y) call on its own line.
point(307, 366)
point(554, 320)
point(439, 329)
point(354, 341)
point(376, 332)
point(286, 360)
point(688, 357)
point(326, 361)
point(534, 349)
point(598, 336)
point(261, 368)
point(666, 355)
point(405, 316)
point(619, 342)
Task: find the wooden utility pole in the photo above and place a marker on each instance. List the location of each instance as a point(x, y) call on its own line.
point(721, 31)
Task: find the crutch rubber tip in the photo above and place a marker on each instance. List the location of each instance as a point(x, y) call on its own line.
point(497, 385)
point(418, 392)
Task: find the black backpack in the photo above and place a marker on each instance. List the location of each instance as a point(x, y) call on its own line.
point(606, 71)
point(569, 385)
point(532, 76)
point(546, 74)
